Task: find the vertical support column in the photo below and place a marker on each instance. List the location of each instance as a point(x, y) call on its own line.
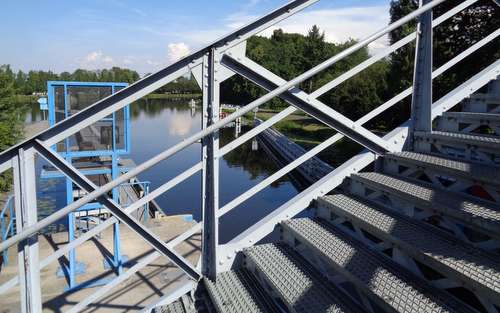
point(26, 215)
point(117, 258)
point(422, 76)
point(210, 174)
point(71, 232)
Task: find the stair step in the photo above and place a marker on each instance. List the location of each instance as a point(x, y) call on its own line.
point(472, 116)
point(482, 103)
point(471, 171)
point(453, 258)
point(467, 122)
point(237, 291)
point(294, 281)
point(490, 142)
point(482, 215)
point(174, 307)
point(478, 148)
point(391, 286)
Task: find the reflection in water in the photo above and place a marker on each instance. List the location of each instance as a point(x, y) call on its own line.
point(159, 124)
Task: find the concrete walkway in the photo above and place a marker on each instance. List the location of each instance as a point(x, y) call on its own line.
point(135, 293)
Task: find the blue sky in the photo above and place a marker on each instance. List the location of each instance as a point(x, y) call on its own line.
point(62, 35)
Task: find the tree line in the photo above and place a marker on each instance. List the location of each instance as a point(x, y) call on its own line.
point(289, 55)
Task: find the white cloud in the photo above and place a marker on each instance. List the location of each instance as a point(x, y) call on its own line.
point(177, 51)
point(96, 60)
point(339, 25)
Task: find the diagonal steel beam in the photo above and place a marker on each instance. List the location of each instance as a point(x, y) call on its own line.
point(84, 183)
point(269, 81)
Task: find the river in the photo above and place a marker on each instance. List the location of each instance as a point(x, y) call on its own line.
point(159, 124)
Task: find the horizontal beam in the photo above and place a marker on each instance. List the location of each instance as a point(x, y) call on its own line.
point(84, 183)
point(151, 82)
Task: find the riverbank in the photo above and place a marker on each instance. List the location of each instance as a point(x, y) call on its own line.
point(308, 132)
point(173, 96)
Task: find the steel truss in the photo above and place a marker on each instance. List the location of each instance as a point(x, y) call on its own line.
point(210, 66)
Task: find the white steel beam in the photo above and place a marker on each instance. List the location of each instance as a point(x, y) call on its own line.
point(422, 75)
point(26, 215)
point(301, 201)
point(268, 80)
point(210, 173)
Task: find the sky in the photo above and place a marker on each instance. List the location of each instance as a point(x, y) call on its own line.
point(63, 35)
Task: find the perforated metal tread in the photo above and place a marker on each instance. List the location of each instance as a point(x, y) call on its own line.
point(469, 170)
point(452, 257)
point(391, 286)
point(236, 292)
point(472, 116)
point(175, 307)
point(301, 288)
point(489, 142)
point(478, 214)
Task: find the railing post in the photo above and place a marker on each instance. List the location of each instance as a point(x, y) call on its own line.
point(26, 215)
point(421, 119)
point(210, 174)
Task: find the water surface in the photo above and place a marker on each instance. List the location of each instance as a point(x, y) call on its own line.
point(159, 124)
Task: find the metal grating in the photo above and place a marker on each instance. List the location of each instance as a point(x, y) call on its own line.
point(234, 292)
point(470, 116)
point(475, 140)
point(482, 214)
point(472, 265)
point(290, 276)
point(175, 307)
point(391, 285)
point(470, 170)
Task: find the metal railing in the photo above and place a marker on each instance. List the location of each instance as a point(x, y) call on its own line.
point(142, 191)
point(7, 226)
point(211, 66)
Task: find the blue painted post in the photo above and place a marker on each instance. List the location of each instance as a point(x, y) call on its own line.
point(71, 232)
point(116, 226)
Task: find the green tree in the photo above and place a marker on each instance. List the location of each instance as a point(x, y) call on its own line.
point(10, 119)
point(450, 38)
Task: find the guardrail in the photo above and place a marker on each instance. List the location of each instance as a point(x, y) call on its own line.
point(131, 198)
point(212, 65)
point(7, 220)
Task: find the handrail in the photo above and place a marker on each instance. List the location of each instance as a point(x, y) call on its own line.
point(150, 83)
point(384, 53)
point(207, 131)
point(276, 86)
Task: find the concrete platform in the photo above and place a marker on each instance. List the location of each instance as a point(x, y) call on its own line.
point(133, 294)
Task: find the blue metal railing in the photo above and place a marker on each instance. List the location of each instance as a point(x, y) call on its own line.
point(142, 185)
point(7, 230)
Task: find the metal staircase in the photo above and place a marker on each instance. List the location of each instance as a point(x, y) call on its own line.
point(408, 238)
point(420, 233)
